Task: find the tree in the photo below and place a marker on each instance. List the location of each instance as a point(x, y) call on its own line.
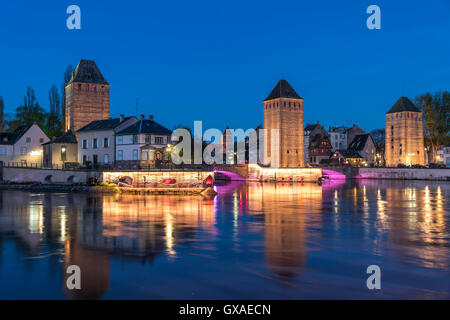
point(436, 109)
point(29, 112)
point(66, 79)
point(2, 114)
point(53, 125)
point(379, 139)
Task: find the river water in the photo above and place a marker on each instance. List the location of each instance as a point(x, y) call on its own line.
point(251, 241)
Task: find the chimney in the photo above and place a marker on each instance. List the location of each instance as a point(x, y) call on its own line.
point(142, 117)
point(122, 117)
point(150, 117)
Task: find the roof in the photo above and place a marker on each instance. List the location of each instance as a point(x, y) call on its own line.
point(10, 138)
point(102, 125)
point(283, 90)
point(317, 140)
point(359, 142)
point(349, 153)
point(145, 126)
point(88, 72)
point(341, 129)
point(404, 104)
point(68, 137)
point(311, 127)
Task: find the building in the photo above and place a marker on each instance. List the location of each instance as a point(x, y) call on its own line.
point(311, 131)
point(228, 154)
point(352, 132)
point(87, 96)
point(61, 151)
point(319, 149)
point(143, 144)
point(23, 146)
point(364, 145)
point(338, 137)
point(404, 134)
point(350, 157)
point(447, 155)
point(283, 111)
point(96, 143)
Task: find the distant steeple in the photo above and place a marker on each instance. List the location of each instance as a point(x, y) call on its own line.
point(283, 90)
point(88, 72)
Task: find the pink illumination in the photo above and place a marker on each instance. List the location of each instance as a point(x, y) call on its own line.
point(333, 175)
point(231, 175)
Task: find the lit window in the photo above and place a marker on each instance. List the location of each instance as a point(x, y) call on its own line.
point(63, 153)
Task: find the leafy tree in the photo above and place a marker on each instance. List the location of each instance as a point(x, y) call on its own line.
point(436, 109)
point(378, 136)
point(30, 111)
point(53, 124)
point(2, 114)
point(66, 79)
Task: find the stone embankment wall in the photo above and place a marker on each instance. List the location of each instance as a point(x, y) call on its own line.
point(404, 174)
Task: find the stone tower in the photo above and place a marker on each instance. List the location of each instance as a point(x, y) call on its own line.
point(87, 96)
point(283, 110)
point(404, 134)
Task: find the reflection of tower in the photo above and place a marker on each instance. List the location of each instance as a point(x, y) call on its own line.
point(285, 230)
point(94, 266)
point(283, 110)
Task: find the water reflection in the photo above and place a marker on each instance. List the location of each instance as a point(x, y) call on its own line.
point(254, 238)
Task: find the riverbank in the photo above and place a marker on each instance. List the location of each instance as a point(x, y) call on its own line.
point(105, 189)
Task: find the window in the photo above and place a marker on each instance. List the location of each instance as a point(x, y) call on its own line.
point(28, 140)
point(41, 140)
point(135, 154)
point(85, 144)
point(144, 155)
point(106, 142)
point(106, 158)
point(94, 143)
point(120, 140)
point(63, 153)
point(159, 140)
point(135, 139)
point(95, 159)
point(2, 151)
point(85, 159)
point(120, 155)
point(147, 139)
point(23, 150)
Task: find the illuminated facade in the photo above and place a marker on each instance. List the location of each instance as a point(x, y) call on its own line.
point(283, 111)
point(87, 96)
point(404, 134)
point(23, 146)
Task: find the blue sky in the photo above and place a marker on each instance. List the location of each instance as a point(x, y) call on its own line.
point(216, 61)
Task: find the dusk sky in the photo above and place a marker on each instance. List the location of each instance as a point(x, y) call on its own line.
point(216, 61)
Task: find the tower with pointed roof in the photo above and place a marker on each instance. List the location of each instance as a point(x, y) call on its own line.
point(283, 110)
point(87, 96)
point(404, 134)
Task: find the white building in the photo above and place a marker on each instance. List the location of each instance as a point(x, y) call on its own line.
point(23, 146)
point(446, 155)
point(96, 143)
point(338, 138)
point(142, 144)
